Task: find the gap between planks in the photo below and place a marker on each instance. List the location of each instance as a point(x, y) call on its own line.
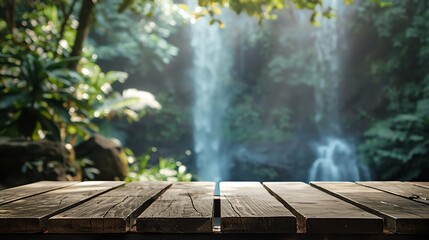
point(30, 215)
point(400, 215)
point(186, 207)
point(402, 189)
point(319, 212)
point(113, 212)
point(247, 207)
point(13, 194)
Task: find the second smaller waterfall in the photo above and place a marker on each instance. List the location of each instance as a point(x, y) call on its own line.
point(336, 158)
point(336, 161)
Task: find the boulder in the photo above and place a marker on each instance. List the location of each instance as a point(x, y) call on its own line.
point(107, 156)
point(23, 161)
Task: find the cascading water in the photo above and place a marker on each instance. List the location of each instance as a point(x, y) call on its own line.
point(210, 76)
point(336, 162)
point(336, 159)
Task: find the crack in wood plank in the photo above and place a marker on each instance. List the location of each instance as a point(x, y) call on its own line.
point(189, 206)
point(237, 212)
point(168, 206)
point(192, 203)
point(62, 199)
point(108, 210)
point(232, 206)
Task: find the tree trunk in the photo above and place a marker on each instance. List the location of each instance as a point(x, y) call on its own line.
point(83, 29)
point(10, 14)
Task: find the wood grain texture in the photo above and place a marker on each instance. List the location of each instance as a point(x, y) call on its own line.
point(319, 212)
point(400, 215)
point(113, 212)
point(16, 193)
point(407, 190)
point(421, 184)
point(186, 207)
point(31, 214)
point(249, 207)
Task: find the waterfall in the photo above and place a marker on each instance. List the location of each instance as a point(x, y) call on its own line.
point(210, 75)
point(336, 159)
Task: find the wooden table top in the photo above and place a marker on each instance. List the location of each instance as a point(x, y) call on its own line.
point(281, 210)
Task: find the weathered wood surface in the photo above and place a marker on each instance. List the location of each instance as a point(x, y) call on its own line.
point(319, 212)
point(249, 207)
point(31, 214)
point(400, 215)
point(112, 212)
point(421, 184)
point(16, 193)
point(212, 236)
point(183, 208)
point(105, 207)
point(407, 190)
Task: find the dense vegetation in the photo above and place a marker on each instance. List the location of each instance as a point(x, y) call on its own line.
point(63, 67)
point(396, 144)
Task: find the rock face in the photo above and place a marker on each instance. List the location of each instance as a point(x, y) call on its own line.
point(23, 161)
point(107, 155)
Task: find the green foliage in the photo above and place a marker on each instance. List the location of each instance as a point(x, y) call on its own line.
point(285, 56)
point(397, 146)
point(37, 29)
point(169, 125)
point(136, 37)
point(261, 109)
point(165, 169)
point(257, 171)
point(36, 99)
point(88, 170)
point(262, 9)
point(41, 96)
point(246, 122)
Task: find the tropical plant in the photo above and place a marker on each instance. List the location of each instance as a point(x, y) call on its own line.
point(398, 148)
point(43, 94)
point(43, 98)
point(37, 99)
point(50, 86)
point(145, 168)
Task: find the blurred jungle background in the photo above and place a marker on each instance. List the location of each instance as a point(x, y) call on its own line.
point(273, 90)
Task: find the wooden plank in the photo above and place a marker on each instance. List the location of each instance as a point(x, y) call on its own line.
point(319, 212)
point(212, 236)
point(31, 214)
point(16, 193)
point(249, 207)
point(113, 212)
point(186, 207)
point(407, 190)
point(400, 215)
point(421, 184)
